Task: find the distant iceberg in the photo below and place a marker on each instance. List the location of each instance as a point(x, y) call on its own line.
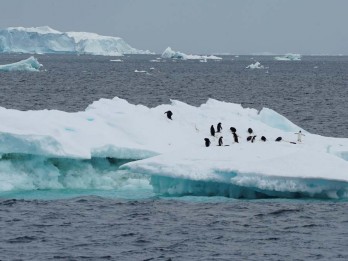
point(256, 65)
point(31, 65)
point(289, 57)
point(171, 54)
point(41, 40)
point(54, 149)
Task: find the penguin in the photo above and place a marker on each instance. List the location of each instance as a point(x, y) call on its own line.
point(169, 114)
point(253, 139)
point(212, 131)
point(207, 142)
point(220, 141)
point(219, 128)
point(299, 136)
point(249, 138)
point(235, 137)
point(233, 129)
point(278, 139)
point(263, 138)
point(250, 130)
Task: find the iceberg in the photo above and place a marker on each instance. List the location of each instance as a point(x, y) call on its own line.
point(289, 57)
point(113, 139)
point(256, 65)
point(171, 54)
point(41, 40)
point(31, 65)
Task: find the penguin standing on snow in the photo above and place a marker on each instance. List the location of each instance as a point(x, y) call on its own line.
point(250, 130)
point(235, 136)
point(263, 138)
point(278, 139)
point(299, 136)
point(220, 141)
point(219, 128)
point(169, 114)
point(207, 142)
point(253, 139)
point(249, 138)
point(212, 130)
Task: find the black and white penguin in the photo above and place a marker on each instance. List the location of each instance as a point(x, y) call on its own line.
point(278, 139)
point(219, 128)
point(249, 138)
point(250, 130)
point(263, 138)
point(207, 142)
point(220, 141)
point(233, 129)
point(253, 139)
point(212, 131)
point(169, 114)
point(235, 137)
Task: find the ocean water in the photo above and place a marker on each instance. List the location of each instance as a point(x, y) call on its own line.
point(130, 221)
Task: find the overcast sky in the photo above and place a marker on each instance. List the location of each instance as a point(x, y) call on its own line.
point(196, 26)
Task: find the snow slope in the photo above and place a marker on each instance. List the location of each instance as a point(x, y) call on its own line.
point(171, 152)
point(44, 39)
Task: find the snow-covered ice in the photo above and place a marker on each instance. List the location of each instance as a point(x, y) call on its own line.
point(172, 152)
point(31, 65)
point(256, 65)
point(289, 57)
point(44, 39)
point(171, 54)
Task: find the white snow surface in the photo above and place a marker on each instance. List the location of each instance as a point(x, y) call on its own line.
point(256, 65)
point(175, 148)
point(289, 57)
point(31, 65)
point(44, 39)
point(171, 54)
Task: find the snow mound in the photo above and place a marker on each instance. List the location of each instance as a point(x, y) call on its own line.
point(47, 40)
point(113, 137)
point(31, 65)
point(289, 57)
point(256, 65)
point(171, 54)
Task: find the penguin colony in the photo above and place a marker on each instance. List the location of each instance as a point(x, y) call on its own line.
point(251, 138)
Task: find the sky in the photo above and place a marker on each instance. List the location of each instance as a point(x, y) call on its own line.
point(196, 26)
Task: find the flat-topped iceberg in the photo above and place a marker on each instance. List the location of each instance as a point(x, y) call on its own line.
point(171, 54)
point(44, 39)
point(289, 57)
point(113, 136)
point(31, 65)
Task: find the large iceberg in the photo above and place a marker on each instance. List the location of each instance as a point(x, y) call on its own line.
point(31, 65)
point(289, 57)
point(44, 39)
point(116, 138)
point(171, 54)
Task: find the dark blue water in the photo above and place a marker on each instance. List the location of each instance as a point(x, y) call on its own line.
point(132, 222)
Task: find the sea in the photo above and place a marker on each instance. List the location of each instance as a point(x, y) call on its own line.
point(132, 222)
